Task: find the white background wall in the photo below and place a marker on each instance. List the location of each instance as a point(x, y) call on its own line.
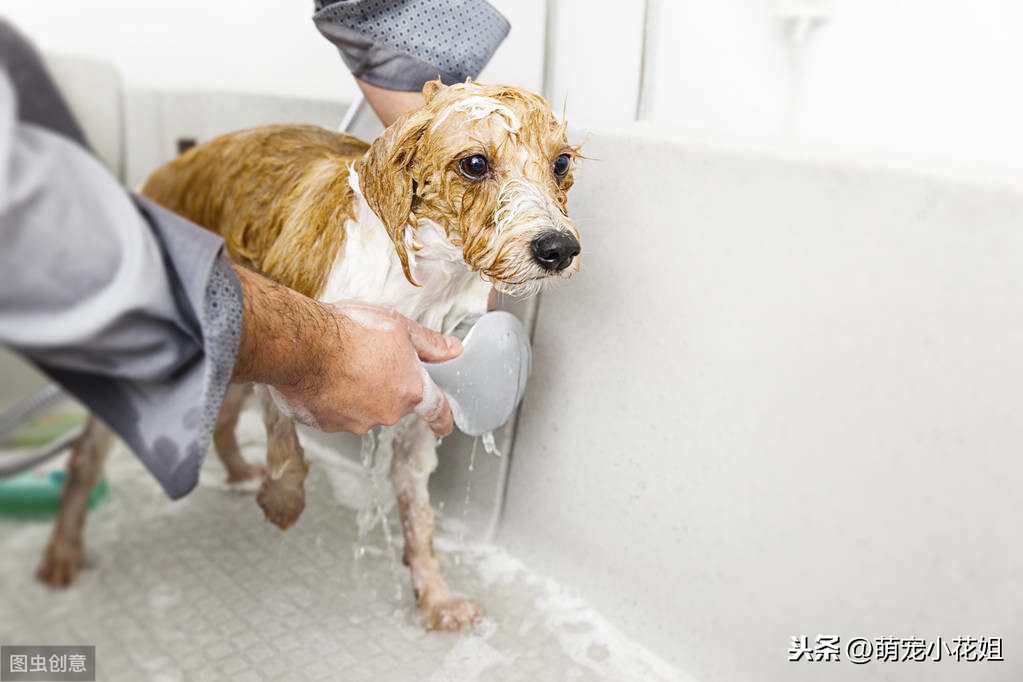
point(259, 46)
point(932, 78)
point(937, 78)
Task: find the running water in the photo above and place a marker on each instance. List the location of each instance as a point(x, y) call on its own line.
point(489, 445)
point(367, 455)
point(468, 492)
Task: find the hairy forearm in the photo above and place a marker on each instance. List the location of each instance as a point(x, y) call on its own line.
point(282, 331)
point(342, 366)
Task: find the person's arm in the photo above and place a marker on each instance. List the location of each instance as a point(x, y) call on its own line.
point(346, 366)
point(388, 105)
point(133, 310)
point(108, 295)
point(393, 47)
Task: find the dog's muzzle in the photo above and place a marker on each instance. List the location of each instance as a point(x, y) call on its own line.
point(554, 251)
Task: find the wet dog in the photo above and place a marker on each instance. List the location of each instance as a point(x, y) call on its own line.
point(462, 196)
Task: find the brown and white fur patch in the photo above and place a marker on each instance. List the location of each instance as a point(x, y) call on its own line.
point(464, 195)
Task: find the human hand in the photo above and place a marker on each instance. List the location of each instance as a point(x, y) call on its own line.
point(378, 377)
point(346, 366)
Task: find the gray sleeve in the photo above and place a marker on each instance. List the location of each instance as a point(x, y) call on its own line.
point(128, 306)
point(402, 44)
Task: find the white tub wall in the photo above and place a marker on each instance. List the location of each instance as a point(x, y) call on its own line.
point(96, 90)
point(157, 121)
point(781, 398)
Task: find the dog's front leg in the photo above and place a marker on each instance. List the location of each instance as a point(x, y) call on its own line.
point(226, 441)
point(415, 458)
point(282, 495)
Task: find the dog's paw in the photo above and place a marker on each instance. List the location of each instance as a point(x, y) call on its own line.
point(282, 500)
point(60, 564)
point(452, 613)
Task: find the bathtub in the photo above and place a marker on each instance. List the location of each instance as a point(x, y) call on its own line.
point(775, 409)
point(781, 400)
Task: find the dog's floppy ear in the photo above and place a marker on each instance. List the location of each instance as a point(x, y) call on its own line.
point(431, 88)
point(386, 177)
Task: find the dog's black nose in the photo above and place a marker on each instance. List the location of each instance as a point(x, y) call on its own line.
point(555, 250)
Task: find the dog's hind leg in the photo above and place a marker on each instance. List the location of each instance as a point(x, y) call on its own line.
point(415, 458)
point(63, 556)
point(282, 495)
point(225, 441)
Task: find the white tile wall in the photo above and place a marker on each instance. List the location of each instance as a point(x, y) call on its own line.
point(595, 49)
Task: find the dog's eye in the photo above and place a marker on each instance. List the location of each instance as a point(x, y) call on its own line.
point(562, 164)
point(473, 167)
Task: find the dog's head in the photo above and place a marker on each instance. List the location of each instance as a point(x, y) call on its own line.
point(489, 164)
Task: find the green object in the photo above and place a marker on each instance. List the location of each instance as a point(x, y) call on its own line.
point(33, 494)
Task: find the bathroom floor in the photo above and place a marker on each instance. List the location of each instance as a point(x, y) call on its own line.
point(204, 589)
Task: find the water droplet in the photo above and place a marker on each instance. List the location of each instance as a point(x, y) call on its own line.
point(489, 445)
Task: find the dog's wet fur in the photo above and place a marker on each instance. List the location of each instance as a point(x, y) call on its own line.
point(406, 222)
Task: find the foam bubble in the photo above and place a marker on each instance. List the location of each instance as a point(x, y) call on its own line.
point(293, 409)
